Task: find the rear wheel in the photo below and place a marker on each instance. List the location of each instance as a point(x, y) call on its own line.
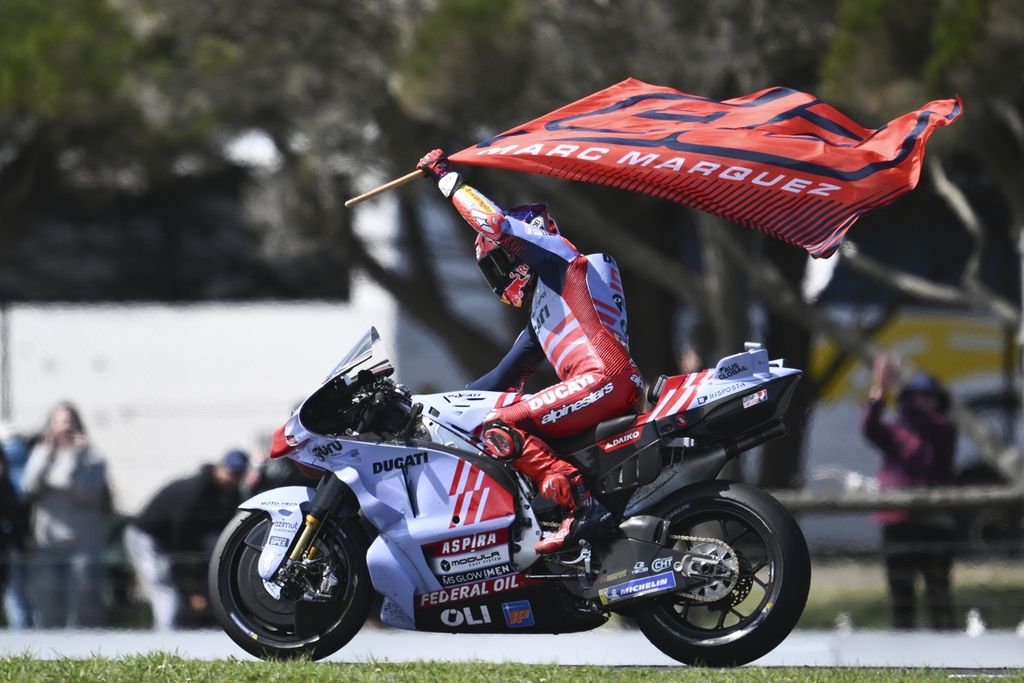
point(316, 613)
point(747, 614)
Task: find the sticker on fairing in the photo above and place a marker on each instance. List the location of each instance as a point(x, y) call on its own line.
point(637, 587)
point(472, 591)
point(518, 614)
point(458, 564)
point(475, 575)
point(465, 544)
point(754, 399)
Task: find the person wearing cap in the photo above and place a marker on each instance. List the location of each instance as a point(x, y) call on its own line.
point(918, 449)
point(170, 541)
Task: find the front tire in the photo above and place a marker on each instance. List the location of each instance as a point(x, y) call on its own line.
point(272, 626)
point(769, 593)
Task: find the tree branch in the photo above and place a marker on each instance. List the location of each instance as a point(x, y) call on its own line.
point(468, 345)
point(979, 297)
point(783, 300)
point(957, 201)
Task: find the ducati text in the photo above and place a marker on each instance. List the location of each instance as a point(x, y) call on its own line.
point(560, 391)
point(401, 462)
point(590, 399)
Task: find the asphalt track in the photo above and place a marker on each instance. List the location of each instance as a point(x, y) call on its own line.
point(610, 646)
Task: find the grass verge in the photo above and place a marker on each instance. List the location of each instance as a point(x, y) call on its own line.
point(171, 669)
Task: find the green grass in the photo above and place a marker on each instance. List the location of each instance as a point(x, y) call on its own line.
point(173, 669)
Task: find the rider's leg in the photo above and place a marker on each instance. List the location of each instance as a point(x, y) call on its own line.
point(563, 409)
point(557, 480)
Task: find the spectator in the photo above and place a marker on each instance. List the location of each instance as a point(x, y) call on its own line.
point(11, 522)
point(15, 598)
point(917, 450)
point(67, 482)
point(170, 542)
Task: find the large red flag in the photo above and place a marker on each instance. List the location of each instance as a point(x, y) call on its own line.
point(779, 160)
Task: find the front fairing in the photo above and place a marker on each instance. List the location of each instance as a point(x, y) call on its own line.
point(366, 348)
point(325, 412)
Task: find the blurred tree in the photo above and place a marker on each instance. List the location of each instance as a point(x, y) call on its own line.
point(122, 123)
point(58, 65)
point(562, 51)
point(889, 54)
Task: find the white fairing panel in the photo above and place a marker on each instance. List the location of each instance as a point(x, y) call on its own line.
point(462, 412)
point(416, 496)
point(284, 506)
point(734, 374)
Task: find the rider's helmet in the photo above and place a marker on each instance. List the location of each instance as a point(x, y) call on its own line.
point(509, 276)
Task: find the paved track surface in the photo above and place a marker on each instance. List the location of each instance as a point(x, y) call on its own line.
point(607, 646)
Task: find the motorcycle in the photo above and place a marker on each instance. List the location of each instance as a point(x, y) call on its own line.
point(713, 572)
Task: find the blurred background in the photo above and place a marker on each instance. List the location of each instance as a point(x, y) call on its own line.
point(175, 258)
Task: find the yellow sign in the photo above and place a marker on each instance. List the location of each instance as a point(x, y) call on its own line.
point(950, 347)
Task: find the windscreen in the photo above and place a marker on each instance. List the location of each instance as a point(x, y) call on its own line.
point(359, 354)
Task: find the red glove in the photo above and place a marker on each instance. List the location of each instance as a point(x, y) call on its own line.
point(556, 488)
point(435, 164)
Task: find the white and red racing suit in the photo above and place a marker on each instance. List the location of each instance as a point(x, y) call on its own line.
point(577, 321)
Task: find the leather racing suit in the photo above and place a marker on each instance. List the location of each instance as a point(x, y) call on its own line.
point(577, 321)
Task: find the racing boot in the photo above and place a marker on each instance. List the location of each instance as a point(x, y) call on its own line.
point(588, 519)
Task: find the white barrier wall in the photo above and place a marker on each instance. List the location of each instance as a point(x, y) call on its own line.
point(163, 389)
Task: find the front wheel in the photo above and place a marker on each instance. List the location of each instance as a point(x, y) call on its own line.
point(317, 611)
point(751, 613)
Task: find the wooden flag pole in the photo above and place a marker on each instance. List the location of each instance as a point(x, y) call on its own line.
point(397, 182)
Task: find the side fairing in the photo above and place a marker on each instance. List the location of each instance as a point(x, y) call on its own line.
point(442, 517)
point(741, 372)
point(454, 418)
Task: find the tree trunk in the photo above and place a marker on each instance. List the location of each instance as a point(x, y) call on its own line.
point(782, 459)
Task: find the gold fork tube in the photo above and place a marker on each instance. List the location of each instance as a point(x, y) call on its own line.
point(312, 524)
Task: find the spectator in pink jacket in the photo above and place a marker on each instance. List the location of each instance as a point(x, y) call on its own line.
point(918, 450)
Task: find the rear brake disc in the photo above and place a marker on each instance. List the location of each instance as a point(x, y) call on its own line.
point(713, 565)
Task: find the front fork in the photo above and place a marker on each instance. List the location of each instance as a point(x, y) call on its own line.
point(329, 495)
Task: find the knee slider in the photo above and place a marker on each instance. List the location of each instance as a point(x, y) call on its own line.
point(502, 441)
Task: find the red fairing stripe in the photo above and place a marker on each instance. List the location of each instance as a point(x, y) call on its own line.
point(677, 395)
point(278, 445)
point(478, 498)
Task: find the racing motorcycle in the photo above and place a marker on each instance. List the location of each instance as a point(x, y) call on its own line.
point(713, 572)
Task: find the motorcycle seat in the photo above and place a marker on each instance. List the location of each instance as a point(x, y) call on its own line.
point(588, 437)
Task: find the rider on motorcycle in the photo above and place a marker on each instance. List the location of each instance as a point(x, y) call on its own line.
point(577, 321)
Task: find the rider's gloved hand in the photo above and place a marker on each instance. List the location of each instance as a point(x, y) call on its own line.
point(435, 164)
point(557, 489)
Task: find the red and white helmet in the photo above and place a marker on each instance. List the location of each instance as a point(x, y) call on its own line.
point(509, 277)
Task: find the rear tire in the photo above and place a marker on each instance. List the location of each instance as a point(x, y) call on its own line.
point(767, 599)
point(272, 627)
